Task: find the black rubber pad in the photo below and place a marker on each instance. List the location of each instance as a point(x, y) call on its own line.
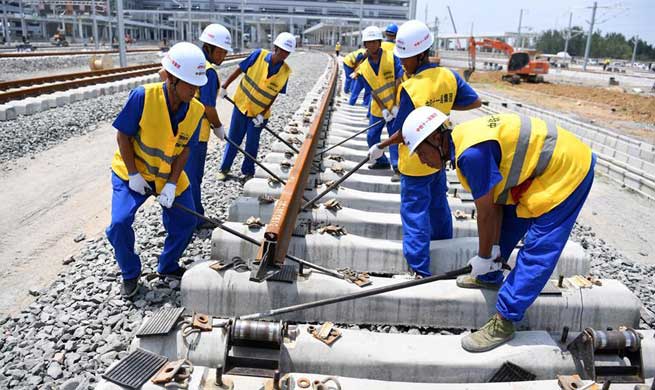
point(161, 322)
point(135, 370)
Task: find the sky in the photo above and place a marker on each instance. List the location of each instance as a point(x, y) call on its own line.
point(632, 17)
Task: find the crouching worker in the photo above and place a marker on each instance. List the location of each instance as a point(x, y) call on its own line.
point(529, 179)
point(154, 129)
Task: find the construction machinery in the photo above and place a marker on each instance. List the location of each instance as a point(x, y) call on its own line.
point(522, 64)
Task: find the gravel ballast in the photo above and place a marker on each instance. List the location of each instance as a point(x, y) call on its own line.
point(80, 325)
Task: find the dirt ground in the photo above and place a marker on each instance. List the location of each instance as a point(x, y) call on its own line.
point(633, 114)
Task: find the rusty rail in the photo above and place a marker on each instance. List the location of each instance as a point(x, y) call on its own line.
point(273, 250)
point(23, 54)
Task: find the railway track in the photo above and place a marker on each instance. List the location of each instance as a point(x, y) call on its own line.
point(37, 53)
point(228, 334)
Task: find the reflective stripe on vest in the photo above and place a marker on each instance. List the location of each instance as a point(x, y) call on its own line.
point(155, 146)
point(383, 83)
point(256, 90)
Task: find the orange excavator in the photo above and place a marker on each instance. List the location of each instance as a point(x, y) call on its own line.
point(522, 64)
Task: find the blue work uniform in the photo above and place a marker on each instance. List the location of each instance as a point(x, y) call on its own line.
point(179, 225)
point(195, 165)
point(375, 133)
point(348, 70)
point(355, 89)
point(424, 208)
point(242, 126)
point(543, 237)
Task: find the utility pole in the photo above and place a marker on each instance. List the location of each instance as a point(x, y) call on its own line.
point(23, 25)
point(110, 29)
point(361, 15)
point(568, 34)
point(122, 55)
point(5, 22)
point(459, 46)
point(634, 51)
point(95, 24)
point(189, 30)
point(243, 5)
point(426, 13)
point(587, 48)
point(518, 37)
point(436, 35)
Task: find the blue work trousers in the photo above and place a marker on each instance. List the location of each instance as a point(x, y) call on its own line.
point(426, 216)
point(179, 227)
point(373, 136)
point(242, 126)
point(355, 88)
point(195, 170)
point(347, 83)
point(544, 239)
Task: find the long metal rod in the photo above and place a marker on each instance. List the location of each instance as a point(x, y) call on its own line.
point(334, 185)
point(276, 135)
point(349, 138)
point(259, 163)
point(357, 295)
point(251, 240)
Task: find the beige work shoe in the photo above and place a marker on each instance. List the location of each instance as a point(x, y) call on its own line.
point(468, 281)
point(222, 176)
point(495, 332)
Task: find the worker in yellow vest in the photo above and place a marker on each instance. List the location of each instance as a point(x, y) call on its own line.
point(350, 62)
point(337, 48)
point(154, 129)
point(265, 75)
point(390, 36)
point(424, 206)
point(529, 179)
point(217, 42)
point(381, 73)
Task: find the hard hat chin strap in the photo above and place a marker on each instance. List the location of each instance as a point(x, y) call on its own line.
point(444, 155)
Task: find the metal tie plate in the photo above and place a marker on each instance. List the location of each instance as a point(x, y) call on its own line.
point(161, 322)
point(135, 370)
point(510, 372)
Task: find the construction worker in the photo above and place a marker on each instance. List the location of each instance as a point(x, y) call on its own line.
point(337, 48)
point(154, 129)
point(265, 75)
point(217, 42)
point(529, 179)
point(350, 62)
point(381, 73)
point(424, 206)
point(390, 36)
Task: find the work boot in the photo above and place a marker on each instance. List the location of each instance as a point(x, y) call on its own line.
point(174, 275)
point(130, 287)
point(222, 176)
point(205, 225)
point(495, 332)
point(395, 178)
point(379, 165)
point(468, 281)
point(247, 177)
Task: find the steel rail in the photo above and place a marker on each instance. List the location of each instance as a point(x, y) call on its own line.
point(278, 233)
point(69, 53)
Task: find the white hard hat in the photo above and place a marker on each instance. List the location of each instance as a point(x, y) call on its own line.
point(419, 124)
point(186, 62)
point(286, 41)
point(371, 33)
point(413, 38)
point(217, 35)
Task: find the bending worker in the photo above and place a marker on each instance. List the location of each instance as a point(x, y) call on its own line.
point(265, 75)
point(381, 73)
point(529, 179)
point(350, 62)
point(217, 42)
point(154, 129)
point(424, 206)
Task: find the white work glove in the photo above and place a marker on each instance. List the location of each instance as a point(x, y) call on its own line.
point(481, 266)
point(375, 152)
point(353, 75)
point(167, 195)
point(394, 111)
point(138, 184)
point(219, 132)
point(222, 93)
point(258, 120)
point(388, 117)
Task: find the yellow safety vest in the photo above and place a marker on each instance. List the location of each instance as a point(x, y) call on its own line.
point(382, 83)
point(337, 47)
point(434, 87)
point(351, 58)
point(256, 92)
point(205, 126)
point(155, 145)
point(388, 46)
point(541, 163)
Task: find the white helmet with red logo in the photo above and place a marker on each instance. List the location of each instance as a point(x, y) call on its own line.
point(413, 38)
point(286, 41)
point(217, 35)
point(419, 124)
point(186, 62)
